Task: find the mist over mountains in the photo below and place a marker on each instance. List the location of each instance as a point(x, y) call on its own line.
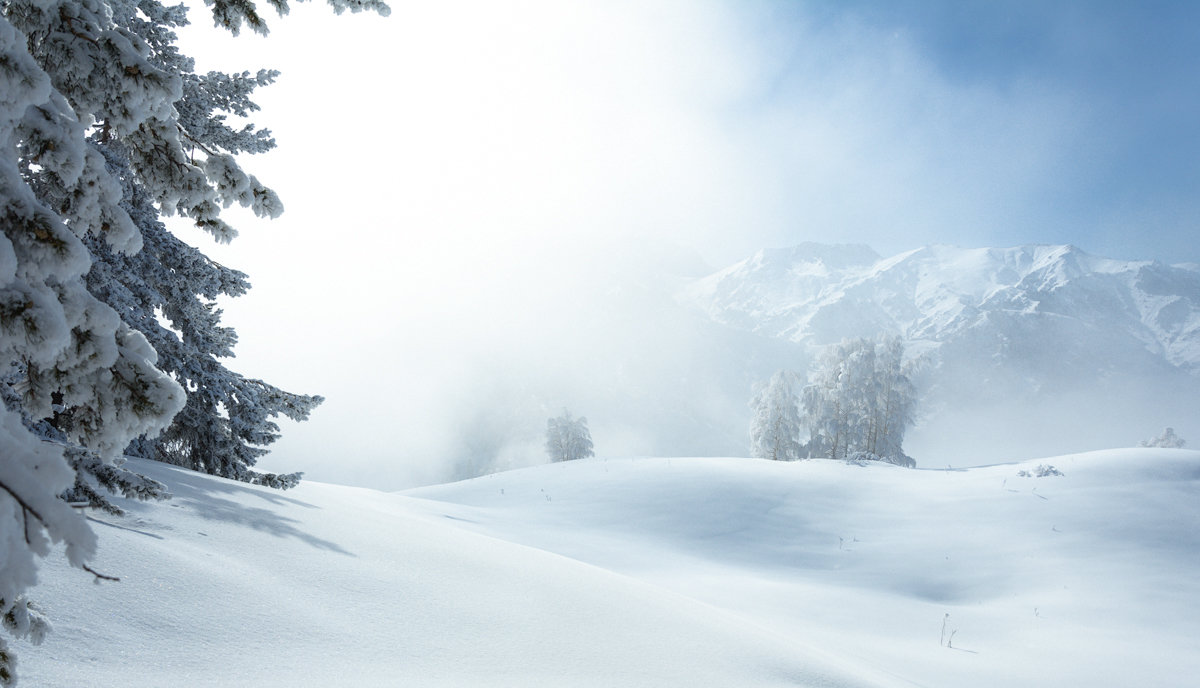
point(1023, 350)
point(1144, 312)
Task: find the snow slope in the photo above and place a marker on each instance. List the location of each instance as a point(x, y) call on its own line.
point(648, 572)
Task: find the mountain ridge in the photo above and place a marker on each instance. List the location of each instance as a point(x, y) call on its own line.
point(935, 294)
point(1021, 350)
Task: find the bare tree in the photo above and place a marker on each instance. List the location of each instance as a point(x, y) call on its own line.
point(568, 438)
point(860, 401)
point(775, 427)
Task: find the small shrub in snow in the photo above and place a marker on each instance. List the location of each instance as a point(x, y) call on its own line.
point(1167, 439)
point(1042, 471)
point(861, 458)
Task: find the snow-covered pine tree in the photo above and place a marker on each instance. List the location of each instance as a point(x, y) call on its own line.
point(775, 426)
point(59, 345)
point(568, 438)
point(227, 420)
point(78, 77)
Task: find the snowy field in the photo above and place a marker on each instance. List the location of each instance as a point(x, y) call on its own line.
point(648, 572)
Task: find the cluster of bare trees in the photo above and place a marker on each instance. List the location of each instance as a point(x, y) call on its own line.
point(857, 404)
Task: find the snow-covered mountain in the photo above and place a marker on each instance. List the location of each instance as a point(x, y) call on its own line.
point(941, 296)
point(1051, 328)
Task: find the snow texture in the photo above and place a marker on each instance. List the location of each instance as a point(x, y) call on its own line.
point(649, 572)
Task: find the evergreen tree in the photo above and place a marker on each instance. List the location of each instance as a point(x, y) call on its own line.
point(59, 345)
point(227, 418)
point(775, 427)
point(568, 438)
point(97, 105)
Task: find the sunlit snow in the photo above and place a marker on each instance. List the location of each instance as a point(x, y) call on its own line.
point(648, 572)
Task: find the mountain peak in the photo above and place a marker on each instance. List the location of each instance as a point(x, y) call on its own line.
point(833, 256)
point(940, 294)
point(1034, 336)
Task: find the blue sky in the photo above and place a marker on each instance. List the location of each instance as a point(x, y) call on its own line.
point(1127, 178)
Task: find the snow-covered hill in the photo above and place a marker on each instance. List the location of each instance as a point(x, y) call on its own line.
point(648, 572)
point(1085, 351)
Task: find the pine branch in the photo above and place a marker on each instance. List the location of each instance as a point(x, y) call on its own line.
point(23, 503)
point(194, 141)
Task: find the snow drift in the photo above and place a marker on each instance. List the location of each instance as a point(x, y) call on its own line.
point(649, 572)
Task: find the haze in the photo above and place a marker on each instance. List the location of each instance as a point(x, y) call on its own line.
point(484, 200)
